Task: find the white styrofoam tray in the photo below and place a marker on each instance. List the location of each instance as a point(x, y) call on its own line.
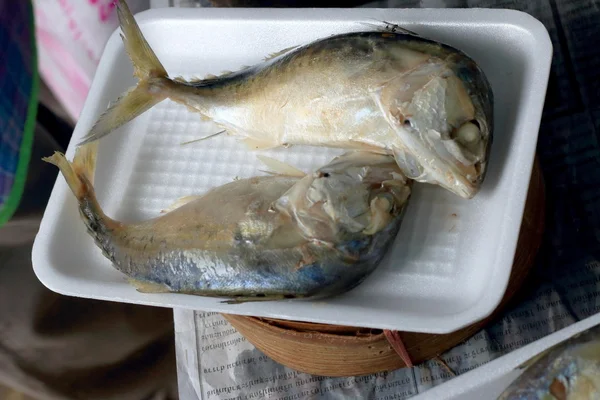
point(488, 381)
point(450, 264)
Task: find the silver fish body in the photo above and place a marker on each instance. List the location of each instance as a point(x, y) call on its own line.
point(425, 103)
point(257, 239)
point(568, 371)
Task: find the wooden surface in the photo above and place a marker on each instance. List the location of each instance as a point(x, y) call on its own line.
point(333, 350)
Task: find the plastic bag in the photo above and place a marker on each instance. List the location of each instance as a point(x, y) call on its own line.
point(71, 35)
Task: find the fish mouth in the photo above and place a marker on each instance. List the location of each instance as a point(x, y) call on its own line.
point(425, 164)
point(469, 179)
point(462, 186)
point(464, 180)
point(466, 165)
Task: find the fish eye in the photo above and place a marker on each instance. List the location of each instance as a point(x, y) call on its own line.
point(326, 175)
point(407, 123)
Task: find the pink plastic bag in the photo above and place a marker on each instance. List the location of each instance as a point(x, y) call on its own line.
point(71, 36)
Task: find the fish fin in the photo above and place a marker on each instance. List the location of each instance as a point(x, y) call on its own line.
point(195, 79)
point(132, 104)
point(278, 53)
point(146, 67)
point(148, 287)
point(250, 299)
point(380, 215)
point(180, 202)
point(79, 173)
point(203, 138)
point(211, 77)
point(281, 168)
point(258, 144)
point(145, 62)
point(388, 27)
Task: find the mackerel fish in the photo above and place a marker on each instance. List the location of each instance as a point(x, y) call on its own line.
point(387, 91)
point(286, 235)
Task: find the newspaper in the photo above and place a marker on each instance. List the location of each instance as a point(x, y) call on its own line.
point(216, 362)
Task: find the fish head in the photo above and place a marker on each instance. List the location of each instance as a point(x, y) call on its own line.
point(356, 194)
point(442, 115)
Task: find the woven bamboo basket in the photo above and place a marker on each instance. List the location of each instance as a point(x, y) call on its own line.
point(332, 350)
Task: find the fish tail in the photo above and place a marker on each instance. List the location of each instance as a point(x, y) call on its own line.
point(149, 71)
point(145, 62)
point(79, 175)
